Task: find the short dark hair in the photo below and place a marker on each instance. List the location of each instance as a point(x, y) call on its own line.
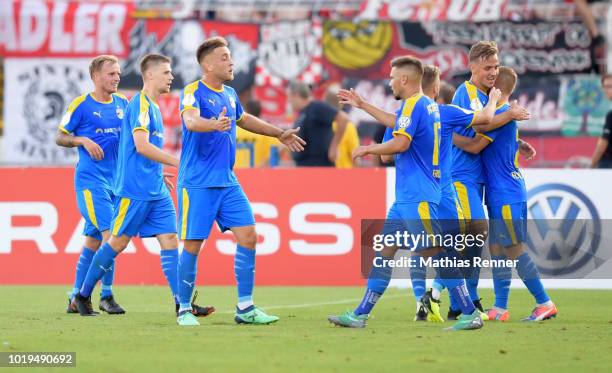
point(430, 74)
point(253, 107)
point(483, 50)
point(447, 92)
point(409, 62)
point(97, 63)
point(506, 79)
point(151, 60)
point(210, 45)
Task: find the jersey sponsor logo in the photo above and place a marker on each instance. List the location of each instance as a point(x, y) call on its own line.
point(567, 230)
point(404, 122)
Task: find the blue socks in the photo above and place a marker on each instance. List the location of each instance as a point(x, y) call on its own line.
point(106, 282)
point(451, 278)
point(101, 263)
point(187, 269)
point(244, 270)
point(169, 263)
point(377, 284)
point(418, 273)
point(502, 277)
point(528, 272)
point(472, 274)
point(81, 269)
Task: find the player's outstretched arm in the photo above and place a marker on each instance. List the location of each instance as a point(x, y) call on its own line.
point(288, 137)
point(350, 97)
point(472, 145)
point(486, 114)
point(150, 151)
point(70, 141)
point(396, 145)
point(516, 112)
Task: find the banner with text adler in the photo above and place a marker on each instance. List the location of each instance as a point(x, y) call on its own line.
point(308, 222)
point(45, 28)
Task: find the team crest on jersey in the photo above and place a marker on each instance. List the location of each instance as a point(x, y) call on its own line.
point(189, 99)
point(475, 104)
point(404, 122)
point(143, 119)
point(232, 102)
point(119, 112)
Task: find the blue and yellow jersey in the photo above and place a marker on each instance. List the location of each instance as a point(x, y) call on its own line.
point(138, 177)
point(207, 158)
point(100, 122)
point(453, 119)
point(505, 183)
point(467, 167)
point(418, 168)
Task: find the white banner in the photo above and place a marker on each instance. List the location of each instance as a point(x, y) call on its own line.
point(37, 93)
point(570, 197)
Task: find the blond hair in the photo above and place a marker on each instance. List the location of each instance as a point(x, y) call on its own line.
point(97, 63)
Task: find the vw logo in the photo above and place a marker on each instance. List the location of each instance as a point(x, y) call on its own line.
point(563, 228)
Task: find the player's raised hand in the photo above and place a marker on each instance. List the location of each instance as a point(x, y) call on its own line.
point(350, 97)
point(222, 123)
point(494, 94)
point(168, 181)
point(518, 112)
point(94, 150)
point(291, 140)
point(359, 152)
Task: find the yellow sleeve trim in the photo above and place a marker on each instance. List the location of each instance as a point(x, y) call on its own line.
point(140, 129)
point(473, 118)
point(188, 108)
point(61, 128)
point(485, 136)
point(402, 132)
point(242, 117)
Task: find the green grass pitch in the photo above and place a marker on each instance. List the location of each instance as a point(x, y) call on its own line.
point(147, 339)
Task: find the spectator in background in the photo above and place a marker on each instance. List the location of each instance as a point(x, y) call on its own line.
point(262, 145)
point(602, 156)
point(350, 139)
point(315, 120)
point(597, 40)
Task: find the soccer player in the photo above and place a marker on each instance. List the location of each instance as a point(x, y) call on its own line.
point(92, 123)
point(143, 205)
point(507, 206)
point(208, 190)
point(468, 175)
point(416, 145)
point(449, 211)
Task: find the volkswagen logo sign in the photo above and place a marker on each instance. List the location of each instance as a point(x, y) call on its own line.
point(563, 228)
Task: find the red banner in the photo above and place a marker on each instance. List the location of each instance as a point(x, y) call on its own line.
point(44, 28)
point(308, 221)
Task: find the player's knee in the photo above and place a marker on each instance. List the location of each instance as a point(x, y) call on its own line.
point(248, 239)
point(119, 243)
point(92, 243)
point(514, 251)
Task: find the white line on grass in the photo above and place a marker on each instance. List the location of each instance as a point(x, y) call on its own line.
point(318, 304)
